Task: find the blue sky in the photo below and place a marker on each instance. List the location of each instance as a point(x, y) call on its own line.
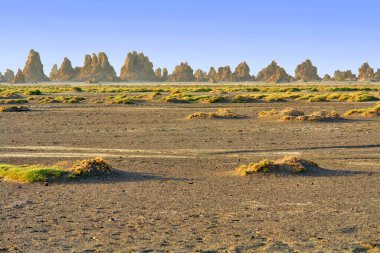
point(334, 34)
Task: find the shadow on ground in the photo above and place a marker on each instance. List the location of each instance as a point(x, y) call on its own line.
point(120, 176)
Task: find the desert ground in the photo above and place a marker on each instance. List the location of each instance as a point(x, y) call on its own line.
point(174, 188)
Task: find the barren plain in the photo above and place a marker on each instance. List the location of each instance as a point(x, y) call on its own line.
point(174, 188)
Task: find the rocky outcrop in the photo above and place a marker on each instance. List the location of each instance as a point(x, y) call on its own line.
point(65, 72)
point(306, 72)
point(53, 72)
point(376, 76)
point(158, 74)
point(9, 75)
point(212, 75)
point(365, 72)
point(137, 67)
point(95, 69)
point(344, 76)
point(2, 78)
point(19, 78)
point(34, 70)
point(165, 74)
point(200, 75)
point(225, 74)
point(182, 73)
point(273, 74)
point(327, 77)
point(242, 72)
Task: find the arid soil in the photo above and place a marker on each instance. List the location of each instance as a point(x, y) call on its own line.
point(175, 188)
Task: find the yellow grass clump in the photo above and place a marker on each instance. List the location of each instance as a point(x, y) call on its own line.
point(367, 112)
point(220, 113)
point(287, 164)
point(293, 114)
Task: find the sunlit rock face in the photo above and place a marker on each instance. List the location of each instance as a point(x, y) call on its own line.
point(344, 75)
point(182, 73)
point(96, 68)
point(137, 67)
point(273, 74)
point(306, 72)
point(242, 72)
point(19, 78)
point(9, 75)
point(200, 75)
point(33, 71)
point(365, 72)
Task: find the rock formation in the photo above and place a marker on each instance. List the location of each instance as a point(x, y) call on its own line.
point(34, 70)
point(53, 72)
point(182, 73)
point(376, 76)
point(165, 74)
point(9, 75)
point(307, 72)
point(327, 77)
point(158, 73)
point(137, 67)
point(242, 72)
point(200, 76)
point(95, 69)
point(273, 74)
point(225, 74)
point(212, 75)
point(344, 76)
point(365, 72)
point(65, 72)
point(19, 78)
point(2, 78)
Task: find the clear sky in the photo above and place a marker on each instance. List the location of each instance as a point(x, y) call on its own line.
point(334, 34)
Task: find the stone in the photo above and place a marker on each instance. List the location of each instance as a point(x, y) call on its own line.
point(9, 75)
point(158, 73)
point(19, 78)
point(53, 72)
point(2, 78)
point(376, 76)
point(212, 75)
point(344, 76)
point(66, 71)
point(273, 74)
point(182, 73)
point(137, 67)
point(327, 77)
point(242, 72)
point(306, 72)
point(96, 69)
point(200, 75)
point(33, 71)
point(165, 74)
point(366, 73)
point(225, 74)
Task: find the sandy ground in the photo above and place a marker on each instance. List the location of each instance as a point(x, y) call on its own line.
point(174, 188)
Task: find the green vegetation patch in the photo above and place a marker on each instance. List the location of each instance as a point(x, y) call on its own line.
point(41, 173)
point(30, 173)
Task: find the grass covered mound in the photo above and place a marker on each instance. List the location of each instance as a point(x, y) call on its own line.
point(90, 167)
point(368, 112)
point(14, 109)
point(287, 164)
point(40, 173)
point(292, 114)
point(220, 113)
